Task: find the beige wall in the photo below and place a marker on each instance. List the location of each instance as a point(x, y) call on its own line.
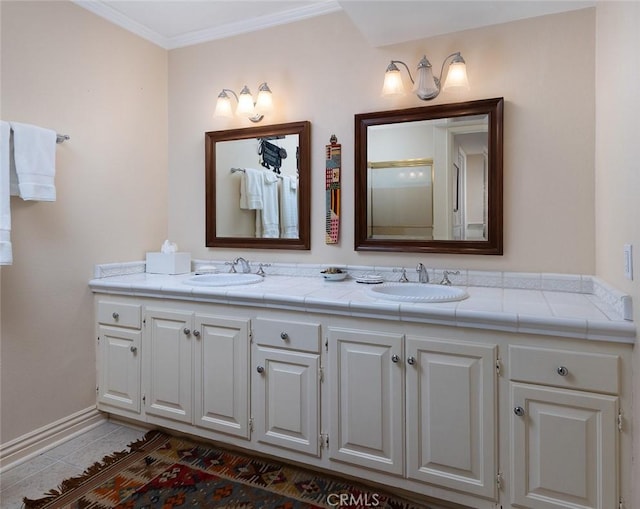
point(617, 165)
point(64, 68)
point(323, 70)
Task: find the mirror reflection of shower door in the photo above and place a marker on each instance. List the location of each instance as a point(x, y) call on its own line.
point(400, 199)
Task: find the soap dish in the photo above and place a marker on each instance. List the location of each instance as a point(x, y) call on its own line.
point(370, 279)
point(333, 274)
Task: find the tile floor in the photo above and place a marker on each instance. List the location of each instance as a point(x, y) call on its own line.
point(41, 473)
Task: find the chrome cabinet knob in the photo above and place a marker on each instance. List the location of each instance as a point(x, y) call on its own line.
point(411, 360)
point(115, 315)
point(395, 358)
point(196, 333)
point(133, 349)
point(186, 331)
point(284, 336)
point(519, 411)
point(260, 369)
point(562, 371)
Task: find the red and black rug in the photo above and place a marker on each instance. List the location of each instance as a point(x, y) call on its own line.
point(165, 472)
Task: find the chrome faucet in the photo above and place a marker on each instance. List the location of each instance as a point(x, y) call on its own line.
point(246, 268)
point(423, 275)
point(244, 264)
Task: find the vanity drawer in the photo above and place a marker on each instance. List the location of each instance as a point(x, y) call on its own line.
point(120, 314)
point(285, 334)
point(563, 368)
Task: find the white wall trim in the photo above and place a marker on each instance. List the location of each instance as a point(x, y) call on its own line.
point(252, 24)
point(43, 439)
point(107, 12)
point(104, 10)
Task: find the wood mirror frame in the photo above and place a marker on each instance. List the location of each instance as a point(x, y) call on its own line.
point(493, 245)
point(303, 130)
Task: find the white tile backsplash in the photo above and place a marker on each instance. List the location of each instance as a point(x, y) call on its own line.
point(562, 283)
point(616, 301)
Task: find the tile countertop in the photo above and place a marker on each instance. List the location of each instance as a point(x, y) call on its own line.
point(592, 312)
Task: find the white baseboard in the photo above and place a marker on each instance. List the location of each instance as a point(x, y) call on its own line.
point(43, 439)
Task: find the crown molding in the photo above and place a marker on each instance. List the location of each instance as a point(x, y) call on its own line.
point(254, 24)
point(102, 9)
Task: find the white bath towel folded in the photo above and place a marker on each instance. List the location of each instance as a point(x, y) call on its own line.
point(251, 185)
point(289, 207)
point(34, 150)
point(6, 256)
point(269, 216)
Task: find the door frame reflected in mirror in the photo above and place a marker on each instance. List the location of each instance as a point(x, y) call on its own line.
point(303, 130)
point(493, 245)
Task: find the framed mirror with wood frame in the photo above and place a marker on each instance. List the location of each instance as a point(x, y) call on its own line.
point(453, 204)
point(277, 157)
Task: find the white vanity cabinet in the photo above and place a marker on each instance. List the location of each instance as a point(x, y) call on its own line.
point(285, 379)
point(452, 414)
point(196, 370)
point(367, 399)
point(437, 396)
point(221, 374)
point(118, 368)
point(489, 418)
point(564, 428)
point(167, 358)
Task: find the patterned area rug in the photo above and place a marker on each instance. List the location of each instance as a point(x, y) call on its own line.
point(165, 472)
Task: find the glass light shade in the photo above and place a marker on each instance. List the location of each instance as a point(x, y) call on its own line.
point(264, 101)
point(425, 86)
point(245, 103)
point(223, 106)
point(393, 83)
point(457, 77)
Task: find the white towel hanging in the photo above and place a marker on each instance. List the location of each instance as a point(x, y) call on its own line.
point(289, 207)
point(6, 255)
point(270, 210)
point(251, 189)
point(34, 162)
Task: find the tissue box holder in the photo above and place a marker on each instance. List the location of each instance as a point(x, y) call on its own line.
point(168, 263)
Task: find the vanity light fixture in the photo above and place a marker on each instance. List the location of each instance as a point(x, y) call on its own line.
point(427, 86)
point(255, 111)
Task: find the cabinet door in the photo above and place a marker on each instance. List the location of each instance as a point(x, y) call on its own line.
point(119, 369)
point(563, 448)
point(167, 361)
point(367, 410)
point(451, 414)
point(286, 399)
point(221, 374)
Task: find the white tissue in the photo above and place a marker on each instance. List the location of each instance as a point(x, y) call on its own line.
point(169, 247)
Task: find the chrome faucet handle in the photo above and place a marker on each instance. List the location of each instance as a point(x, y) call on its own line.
point(445, 278)
point(260, 271)
point(233, 266)
point(403, 276)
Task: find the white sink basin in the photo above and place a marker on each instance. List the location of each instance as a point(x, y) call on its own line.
point(417, 292)
point(227, 279)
